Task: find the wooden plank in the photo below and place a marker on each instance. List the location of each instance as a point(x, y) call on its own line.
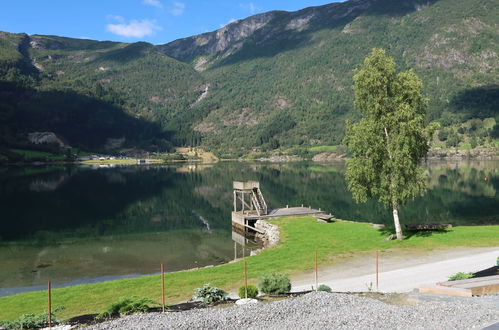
point(253, 228)
point(486, 289)
point(475, 280)
point(436, 289)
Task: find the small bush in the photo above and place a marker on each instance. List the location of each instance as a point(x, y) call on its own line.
point(31, 321)
point(210, 295)
point(324, 287)
point(252, 291)
point(274, 283)
point(127, 306)
point(460, 276)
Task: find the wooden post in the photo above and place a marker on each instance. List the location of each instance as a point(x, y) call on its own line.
point(245, 281)
point(316, 272)
point(377, 270)
point(163, 287)
point(50, 303)
point(235, 200)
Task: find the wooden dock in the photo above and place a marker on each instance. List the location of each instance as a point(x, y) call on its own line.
point(250, 206)
point(247, 219)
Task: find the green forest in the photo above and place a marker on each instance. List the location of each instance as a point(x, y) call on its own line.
point(287, 86)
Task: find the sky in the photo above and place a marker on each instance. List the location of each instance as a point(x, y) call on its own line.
point(154, 21)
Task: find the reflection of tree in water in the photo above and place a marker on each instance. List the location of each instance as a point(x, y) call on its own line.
point(466, 180)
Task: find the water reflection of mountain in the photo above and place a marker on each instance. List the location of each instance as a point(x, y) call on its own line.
point(86, 202)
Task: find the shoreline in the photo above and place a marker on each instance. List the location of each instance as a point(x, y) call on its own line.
point(292, 256)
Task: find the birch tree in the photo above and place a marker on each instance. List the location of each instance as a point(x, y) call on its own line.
point(390, 140)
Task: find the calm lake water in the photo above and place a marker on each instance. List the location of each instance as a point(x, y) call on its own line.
point(75, 224)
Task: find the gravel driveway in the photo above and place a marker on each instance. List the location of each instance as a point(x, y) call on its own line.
point(321, 310)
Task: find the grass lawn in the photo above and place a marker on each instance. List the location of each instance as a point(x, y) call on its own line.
point(299, 238)
point(129, 161)
point(29, 154)
point(322, 148)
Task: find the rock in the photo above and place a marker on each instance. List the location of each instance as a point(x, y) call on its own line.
point(390, 238)
point(246, 301)
point(46, 138)
point(378, 226)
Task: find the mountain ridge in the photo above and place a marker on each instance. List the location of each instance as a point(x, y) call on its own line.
point(273, 80)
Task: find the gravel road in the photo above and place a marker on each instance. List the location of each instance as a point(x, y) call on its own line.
point(320, 310)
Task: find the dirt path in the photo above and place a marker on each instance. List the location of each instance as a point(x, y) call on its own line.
point(400, 270)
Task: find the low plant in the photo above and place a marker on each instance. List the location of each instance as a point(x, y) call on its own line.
point(252, 291)
point(210, 295)
point(127, 306)
point(324, 287)
point(31, 321)
point(460, 276)
point(274, 283)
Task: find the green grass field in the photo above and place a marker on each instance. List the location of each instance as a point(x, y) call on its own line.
point(322, 148)
point(294, 254)
point(29, 154)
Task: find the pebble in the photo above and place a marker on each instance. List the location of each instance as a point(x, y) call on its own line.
point(319, 310)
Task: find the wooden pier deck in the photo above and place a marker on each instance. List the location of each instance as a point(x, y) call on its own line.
point(249, 217)
point(250, 206)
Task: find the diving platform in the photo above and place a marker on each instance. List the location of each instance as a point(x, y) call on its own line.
point(250, 206)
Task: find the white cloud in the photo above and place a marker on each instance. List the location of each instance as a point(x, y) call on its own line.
point(178, 8)
point(250, 6)
point(116, 18)
point(154, 3)
point(134, 29)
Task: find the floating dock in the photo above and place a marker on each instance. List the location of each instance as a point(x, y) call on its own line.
point(250, 206)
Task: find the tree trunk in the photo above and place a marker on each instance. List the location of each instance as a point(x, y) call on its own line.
point(398, 229)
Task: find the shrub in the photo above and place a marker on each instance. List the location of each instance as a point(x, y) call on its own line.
point(324, 287)
point(274, 283)
point(210, 294)
point(252, 291)
point(460, 276)
point(31, 321)
point(126, 306)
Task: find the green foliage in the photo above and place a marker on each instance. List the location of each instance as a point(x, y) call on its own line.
point(324, 287)
point(274, 283)
point(210, 295)
point(453, 140)
point(251, 290)
point(322, 148)
point(127, 306)
point(31, 321)
point(460, 276)
point(389, 141)
point(304, 76)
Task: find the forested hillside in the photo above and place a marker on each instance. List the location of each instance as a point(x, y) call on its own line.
point(274, 80)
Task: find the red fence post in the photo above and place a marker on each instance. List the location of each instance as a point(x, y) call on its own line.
point(163, 286)
point(50, 304)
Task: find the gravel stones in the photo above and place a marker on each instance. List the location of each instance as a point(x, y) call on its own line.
point(319, 310)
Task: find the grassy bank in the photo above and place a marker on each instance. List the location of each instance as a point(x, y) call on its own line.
point(128, 161)
point(300, 236)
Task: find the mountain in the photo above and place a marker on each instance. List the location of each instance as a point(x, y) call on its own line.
point(273, 80)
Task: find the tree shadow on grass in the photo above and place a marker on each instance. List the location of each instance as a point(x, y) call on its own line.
point(408, 234)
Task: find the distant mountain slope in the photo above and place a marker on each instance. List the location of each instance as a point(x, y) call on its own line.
point(92, 92)
point(277, 79)
point(286, 78)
